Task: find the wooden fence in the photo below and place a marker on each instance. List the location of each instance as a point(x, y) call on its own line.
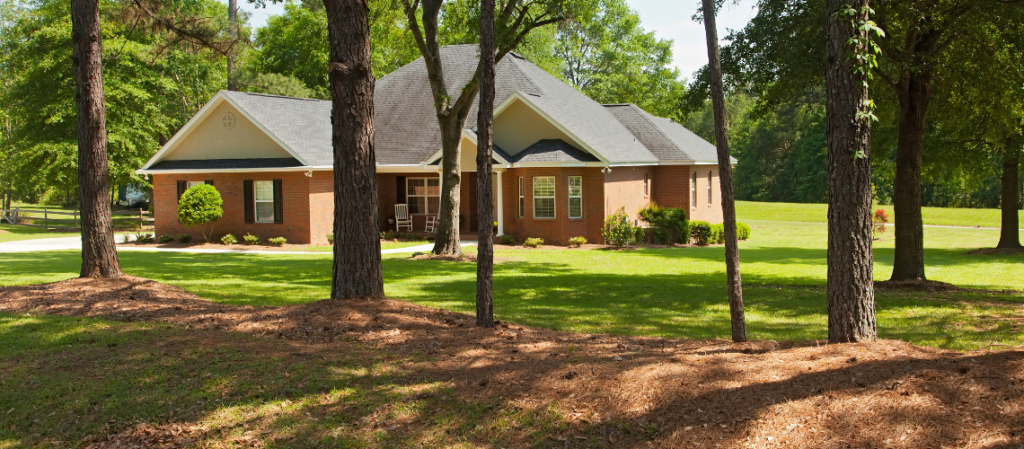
point(62, 219)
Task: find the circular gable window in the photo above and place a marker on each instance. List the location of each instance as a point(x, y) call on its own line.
point(228, 121)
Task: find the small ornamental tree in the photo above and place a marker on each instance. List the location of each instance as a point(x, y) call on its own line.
point(200, 206)
point(617, 229)
point(878, 222)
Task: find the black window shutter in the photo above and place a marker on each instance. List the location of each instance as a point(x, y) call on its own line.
point(209, 182)
point(278, 203)
point(400, 182)
point(247, 197)
point(181, 188)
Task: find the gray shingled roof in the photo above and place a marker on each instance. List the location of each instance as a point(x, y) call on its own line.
point(553, 150)
point(221, 164)
point(668, 140)
point(407, 130)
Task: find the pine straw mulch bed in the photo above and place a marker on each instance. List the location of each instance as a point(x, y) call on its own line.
point(680, 393)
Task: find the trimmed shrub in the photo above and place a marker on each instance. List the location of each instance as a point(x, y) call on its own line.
point(277, 241)
point(200, 206)
point(330, 238)
point(507, 239)
point(617, 230)
point(668, 224)
point(639, 235)
point(578, 241)
point(742, 231)
point(166, 238)
point(533, 242)
point(251, 239)
point(700, 232)
point(717, 233)
point(143, 237)
point(184, 238)
point(228, 239)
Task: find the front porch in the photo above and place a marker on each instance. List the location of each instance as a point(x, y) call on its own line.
point(420, 190)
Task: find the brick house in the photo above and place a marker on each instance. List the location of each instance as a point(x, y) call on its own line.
point(562, 162)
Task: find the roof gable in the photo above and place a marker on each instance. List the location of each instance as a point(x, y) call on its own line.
point(667, 140)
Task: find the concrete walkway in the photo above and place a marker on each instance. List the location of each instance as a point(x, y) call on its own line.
point(75, 243)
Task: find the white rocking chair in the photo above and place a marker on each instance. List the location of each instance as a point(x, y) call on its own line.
point(402, 218)
point(432, 224)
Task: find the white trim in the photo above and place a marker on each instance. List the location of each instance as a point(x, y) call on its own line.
point(521, 97)
point(472, 138)
point(256, 201)
point(570, 196)
point(633, 164)
point(202, 115)
point(553, 197)
point(558, 164)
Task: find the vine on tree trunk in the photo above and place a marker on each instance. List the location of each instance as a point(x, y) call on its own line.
point(863, 56)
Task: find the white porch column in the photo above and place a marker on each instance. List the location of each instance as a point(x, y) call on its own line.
point(501, 207)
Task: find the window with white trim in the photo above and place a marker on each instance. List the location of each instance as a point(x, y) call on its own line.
point(575, 197)
point(645, 184)
point(544, 197)
point(709, 187)
point(264, 199)
point(423, 195)
point(522, 199)
point(693, 191)
point(191, 184)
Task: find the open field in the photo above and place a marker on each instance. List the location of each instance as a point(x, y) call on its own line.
point(942, 216)
point(677, 293)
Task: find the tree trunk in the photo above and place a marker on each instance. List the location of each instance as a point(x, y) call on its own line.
point(485, 137)
point(447, 241)
point(357, 270)
point(732, 251)
point(233, 24)
point(914, 93)
point(99, 256)
point(850, 289)
point(1009, 236)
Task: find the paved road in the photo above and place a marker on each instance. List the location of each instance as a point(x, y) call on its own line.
point(68, 243)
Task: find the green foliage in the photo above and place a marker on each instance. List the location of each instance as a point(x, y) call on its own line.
point(717, 234)
point(388, 235)
point(228, 239)
point(165, 239)
point(251, 239)
point(578, 241)
point(533, 242)
point(668, 225)
point(507, 239)
point(294, 46)
point(609, 56)
point(277, 241)
point(144, 237)
point(618, 230)
point(200, 206)
point(184, 238)
point(152, 85)
point(273, 84)
point(742, 231)
point(330, 238)
point(700, 232)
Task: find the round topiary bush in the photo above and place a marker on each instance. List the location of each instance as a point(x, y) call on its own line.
point(200, 206)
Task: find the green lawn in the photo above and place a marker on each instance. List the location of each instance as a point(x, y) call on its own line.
point(383, 245)
point(752, 210)
point(28, 232)
point(666, 292)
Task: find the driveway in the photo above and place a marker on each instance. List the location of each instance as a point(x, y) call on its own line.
point(68, 243)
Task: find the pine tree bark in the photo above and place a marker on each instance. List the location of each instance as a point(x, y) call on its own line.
point(357, 270)
point(732, 251)
point(485, 140)
point(914, 93)
point(233, 23)
point(99, 256)
point(850, 289)
point(1009, 235)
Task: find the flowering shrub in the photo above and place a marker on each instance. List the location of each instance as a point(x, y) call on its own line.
point(878, 221)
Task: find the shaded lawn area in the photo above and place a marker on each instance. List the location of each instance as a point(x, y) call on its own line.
point(29, 232)
point(678, 292)
point(943, 216)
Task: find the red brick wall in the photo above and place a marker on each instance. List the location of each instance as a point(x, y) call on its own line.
point(296, 196)
point(321, 206)
point(704, 211)
point(624, 187)
point(670, 186)
point(561, 228)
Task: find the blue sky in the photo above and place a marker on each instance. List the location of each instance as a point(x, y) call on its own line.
point(667, 18)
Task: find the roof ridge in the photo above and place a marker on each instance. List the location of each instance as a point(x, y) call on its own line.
point(261, 94)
